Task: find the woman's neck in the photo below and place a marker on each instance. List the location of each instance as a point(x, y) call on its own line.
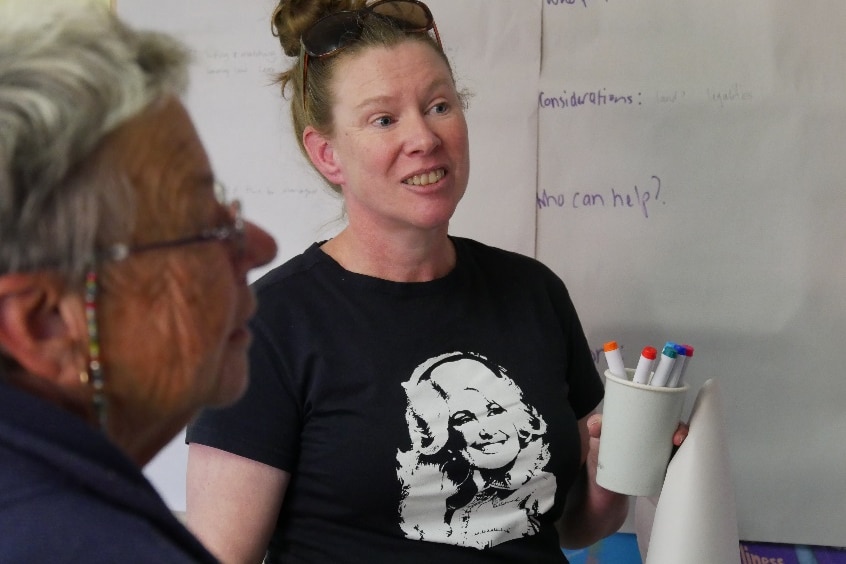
point(396, 258)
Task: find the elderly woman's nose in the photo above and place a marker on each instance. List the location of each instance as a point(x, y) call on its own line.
point(259, 246)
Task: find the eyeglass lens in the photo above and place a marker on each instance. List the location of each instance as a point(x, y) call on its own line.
point(411, 16)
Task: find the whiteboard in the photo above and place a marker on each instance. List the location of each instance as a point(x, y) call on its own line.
point(678, 164)
point(691, 188)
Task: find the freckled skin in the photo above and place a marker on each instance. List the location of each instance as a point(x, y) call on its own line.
point(415, 122)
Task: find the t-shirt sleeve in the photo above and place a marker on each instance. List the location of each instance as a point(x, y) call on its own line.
point(264, 424)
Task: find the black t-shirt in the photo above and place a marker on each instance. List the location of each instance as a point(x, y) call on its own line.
point(419, 421)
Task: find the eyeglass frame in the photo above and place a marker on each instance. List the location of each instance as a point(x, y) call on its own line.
point(364, 12)
point(94, 375)
point(234, 233)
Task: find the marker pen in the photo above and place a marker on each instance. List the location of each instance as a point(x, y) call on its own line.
point(665, 364)
point(644, 365)
point(679, 377)
point(614, 358)
point(673, 378)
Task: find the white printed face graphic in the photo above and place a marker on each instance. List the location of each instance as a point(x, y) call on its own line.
point(486, 427)
point(475, 473)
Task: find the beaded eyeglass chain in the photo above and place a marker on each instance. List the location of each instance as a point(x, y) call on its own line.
point(233, 234)
point(95, 368)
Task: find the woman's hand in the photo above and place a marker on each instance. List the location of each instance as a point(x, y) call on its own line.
point(594, 425)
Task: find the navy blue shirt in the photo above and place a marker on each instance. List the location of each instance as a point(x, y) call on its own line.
point(68, 495)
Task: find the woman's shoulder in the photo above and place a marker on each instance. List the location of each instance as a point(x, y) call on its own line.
point(498, 259)
point(291, 272)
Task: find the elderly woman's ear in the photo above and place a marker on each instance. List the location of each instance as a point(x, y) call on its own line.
point(42, 327)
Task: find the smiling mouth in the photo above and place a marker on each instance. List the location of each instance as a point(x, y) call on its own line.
point(425, 178)
point(487, 447)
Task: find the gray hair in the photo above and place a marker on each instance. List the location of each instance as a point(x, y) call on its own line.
point(69, 75)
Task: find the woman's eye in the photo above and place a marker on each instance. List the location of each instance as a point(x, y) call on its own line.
point(461, 418)
point(495, 409)
point(383, 121)
point(440, 108)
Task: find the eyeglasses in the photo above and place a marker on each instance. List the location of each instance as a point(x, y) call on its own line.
point(333, 33)
point(232, 234)
point(94, 376)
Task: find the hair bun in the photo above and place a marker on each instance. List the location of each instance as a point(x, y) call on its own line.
point(291, 18)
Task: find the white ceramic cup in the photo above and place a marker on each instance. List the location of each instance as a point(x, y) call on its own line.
point(638, 423)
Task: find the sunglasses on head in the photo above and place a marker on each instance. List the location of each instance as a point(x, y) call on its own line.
point(333, 33)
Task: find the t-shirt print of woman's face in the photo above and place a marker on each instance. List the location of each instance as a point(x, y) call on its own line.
point(474, 475)
point(487, 429)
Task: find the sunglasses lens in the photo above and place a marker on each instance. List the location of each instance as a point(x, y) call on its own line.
point(331, 33)
point(409, 16)
point(336, 31)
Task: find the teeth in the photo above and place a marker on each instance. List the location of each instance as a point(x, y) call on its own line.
point(426, 178)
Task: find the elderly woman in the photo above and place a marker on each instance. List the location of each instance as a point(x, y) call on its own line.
point(123, 292)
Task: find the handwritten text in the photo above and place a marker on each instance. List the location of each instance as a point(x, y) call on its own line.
point(599, 97)
point(728, 95)
point(636, 198)
point(583, 3)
